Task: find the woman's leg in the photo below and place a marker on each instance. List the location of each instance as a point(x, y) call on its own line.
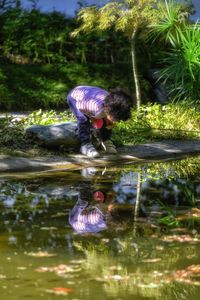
point(82, 120)
point(84, 127)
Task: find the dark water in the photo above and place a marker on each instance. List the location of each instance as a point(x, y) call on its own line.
point(117, 233)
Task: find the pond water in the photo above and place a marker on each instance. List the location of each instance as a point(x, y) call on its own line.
point(128, 232)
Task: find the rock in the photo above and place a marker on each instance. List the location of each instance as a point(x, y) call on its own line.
point(55, 135)
point(54, 189)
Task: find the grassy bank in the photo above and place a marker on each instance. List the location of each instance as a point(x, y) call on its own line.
point(156, 122)
point(27, 87)
point(151, 123)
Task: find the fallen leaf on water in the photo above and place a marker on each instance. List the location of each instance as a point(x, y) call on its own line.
point(159, 248)
point(48, 228)
point(157, 273)
point(21, 268)
point(186, 275)
point(180, 238)
point(195, 269)
point(59, 270)
point(149, 260)
point(78, 261)
point(193, 213)
point(40, 254)
point(190, 281)
point(60, 291)
point(60, 214)
point(116, 277)
point(100, 279)
point(115, 268)
point(151, 285)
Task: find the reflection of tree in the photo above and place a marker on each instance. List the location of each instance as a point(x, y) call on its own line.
point(137, 202)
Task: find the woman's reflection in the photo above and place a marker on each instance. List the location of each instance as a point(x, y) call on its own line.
point(90, 213)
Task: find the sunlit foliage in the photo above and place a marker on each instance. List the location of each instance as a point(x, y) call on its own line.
point(127, 16)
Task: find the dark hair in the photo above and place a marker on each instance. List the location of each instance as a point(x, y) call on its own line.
point(118, 105)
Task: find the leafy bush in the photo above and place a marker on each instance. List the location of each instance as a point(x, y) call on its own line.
point(180, 63)
point(26, 87)
point(47, 117)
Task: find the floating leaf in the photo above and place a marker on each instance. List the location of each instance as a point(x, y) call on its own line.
point(153, 260)
point(180, 238)
point(195, 269)
point(115, 277)
point(115, 268)
point(77, 261)
point(22, 268)
point(151, 285)
point(186, 275)
point(60, 291)
point(193, 213)
point(49, 228)
point(40, 254)
point(60, 270)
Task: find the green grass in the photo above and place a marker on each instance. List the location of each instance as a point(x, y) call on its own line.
point(155, 122)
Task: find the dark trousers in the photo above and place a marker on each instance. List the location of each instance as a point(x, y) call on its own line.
point(84, 124)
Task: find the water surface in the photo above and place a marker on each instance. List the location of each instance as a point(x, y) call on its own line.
point(130, 232)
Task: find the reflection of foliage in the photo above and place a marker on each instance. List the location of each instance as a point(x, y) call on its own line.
point(182, 168)
point(166, 187)
point(27, 212)
point(97, 256)
point(148, 273)
point(170, 218)
point(189, 194)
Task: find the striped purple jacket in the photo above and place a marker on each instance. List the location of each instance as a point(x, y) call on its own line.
point(89, 100)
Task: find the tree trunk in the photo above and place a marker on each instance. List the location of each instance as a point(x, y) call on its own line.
point(135, 70)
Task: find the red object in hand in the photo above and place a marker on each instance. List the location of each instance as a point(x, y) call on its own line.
point(98, 196)
point(97, 124)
